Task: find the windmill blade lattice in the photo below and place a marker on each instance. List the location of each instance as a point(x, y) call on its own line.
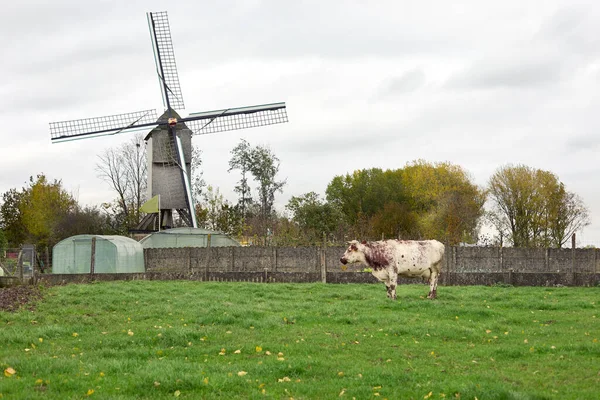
point(236, 118)
point(107, 125)
point(165, 60)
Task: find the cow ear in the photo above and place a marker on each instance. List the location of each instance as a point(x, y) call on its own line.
point(364, 242)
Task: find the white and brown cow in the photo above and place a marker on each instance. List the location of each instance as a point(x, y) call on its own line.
point(390, 258)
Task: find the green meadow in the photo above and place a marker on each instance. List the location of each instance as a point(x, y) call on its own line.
point(205, 340)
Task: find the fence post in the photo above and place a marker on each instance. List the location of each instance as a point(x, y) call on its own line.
point(208, 251)
point(93, 257)
point(20, 265)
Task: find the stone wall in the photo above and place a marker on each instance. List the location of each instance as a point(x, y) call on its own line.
point(461, 266)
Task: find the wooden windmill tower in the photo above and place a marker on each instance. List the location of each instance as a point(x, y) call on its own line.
point(169, 142)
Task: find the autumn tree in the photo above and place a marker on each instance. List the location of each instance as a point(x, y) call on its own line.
point(448, 204)
point(11, 221)
point(533, 208)
point(41, 207)
point(125, 169)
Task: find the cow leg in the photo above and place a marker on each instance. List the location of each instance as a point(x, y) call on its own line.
point(391, 290)
point(391, 285)
point(433, 281)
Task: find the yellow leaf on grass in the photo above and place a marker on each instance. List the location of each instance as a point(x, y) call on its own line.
point(177, 393)
point(258, 349)
point(428, 395)
point(237, 352)
point(8, 372)
point(205, 381)
point(268, 352)
point(242, 373)
point(90, 392)
point(75, 334)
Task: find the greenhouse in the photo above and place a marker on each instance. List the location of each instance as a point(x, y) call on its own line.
point(112, 254)
point(187, 237)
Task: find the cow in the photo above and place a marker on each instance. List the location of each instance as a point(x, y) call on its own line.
point(390, 258)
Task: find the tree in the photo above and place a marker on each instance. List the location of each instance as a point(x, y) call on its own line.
point(533, 208)
point(264, 168)
point(241, 159)
point(3, 244)
point(314, 218)
point(218, 214)
point(86, 220)
point(125, 170)
point(11, 220)
point(41, 206)
point(197, 180)
point(364, 193)
point(448, 204)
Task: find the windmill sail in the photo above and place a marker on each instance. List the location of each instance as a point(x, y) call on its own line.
point(236, 118)
point(108, 125)
point(165, 60)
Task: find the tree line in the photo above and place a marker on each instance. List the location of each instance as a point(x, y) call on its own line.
point(527, 207)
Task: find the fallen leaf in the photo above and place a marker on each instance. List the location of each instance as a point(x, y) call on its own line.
point(284, 379)
point(205, 381)
point(237, 352)
point(156, 384)
point(90, 392)
point(75, 334)
point(177, 393)
point(258, 349)
point(342, 392)
point(428, 395)
point(8, 372)
point(268, 352)
point(242, 373)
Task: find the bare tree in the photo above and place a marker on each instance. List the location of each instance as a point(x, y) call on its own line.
point(125, 170)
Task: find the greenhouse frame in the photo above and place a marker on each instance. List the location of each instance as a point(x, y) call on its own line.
point(110, 254)
point(187, 237)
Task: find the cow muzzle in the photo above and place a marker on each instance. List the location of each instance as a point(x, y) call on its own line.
point(343, 260)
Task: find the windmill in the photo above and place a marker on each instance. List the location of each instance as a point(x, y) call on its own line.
point(168, 144)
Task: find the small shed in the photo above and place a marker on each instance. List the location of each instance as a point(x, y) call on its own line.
point(187, 237)
point(111, 254)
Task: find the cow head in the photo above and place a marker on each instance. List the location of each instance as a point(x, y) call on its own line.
point(354, 253)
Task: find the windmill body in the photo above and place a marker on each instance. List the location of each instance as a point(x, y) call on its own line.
point(169, 142)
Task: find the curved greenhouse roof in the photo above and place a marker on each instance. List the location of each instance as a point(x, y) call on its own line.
point(187, 237)
point(113, 254)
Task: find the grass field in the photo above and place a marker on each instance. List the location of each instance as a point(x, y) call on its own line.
point(182, 339)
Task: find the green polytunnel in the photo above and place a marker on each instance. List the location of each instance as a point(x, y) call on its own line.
point(112, 254)
point(187, 237)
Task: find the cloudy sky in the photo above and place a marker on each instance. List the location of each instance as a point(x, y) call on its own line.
point(368, 84)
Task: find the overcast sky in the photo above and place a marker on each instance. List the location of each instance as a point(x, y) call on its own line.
point(481, 84)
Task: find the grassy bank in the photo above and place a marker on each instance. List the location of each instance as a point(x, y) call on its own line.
point(243, 340)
